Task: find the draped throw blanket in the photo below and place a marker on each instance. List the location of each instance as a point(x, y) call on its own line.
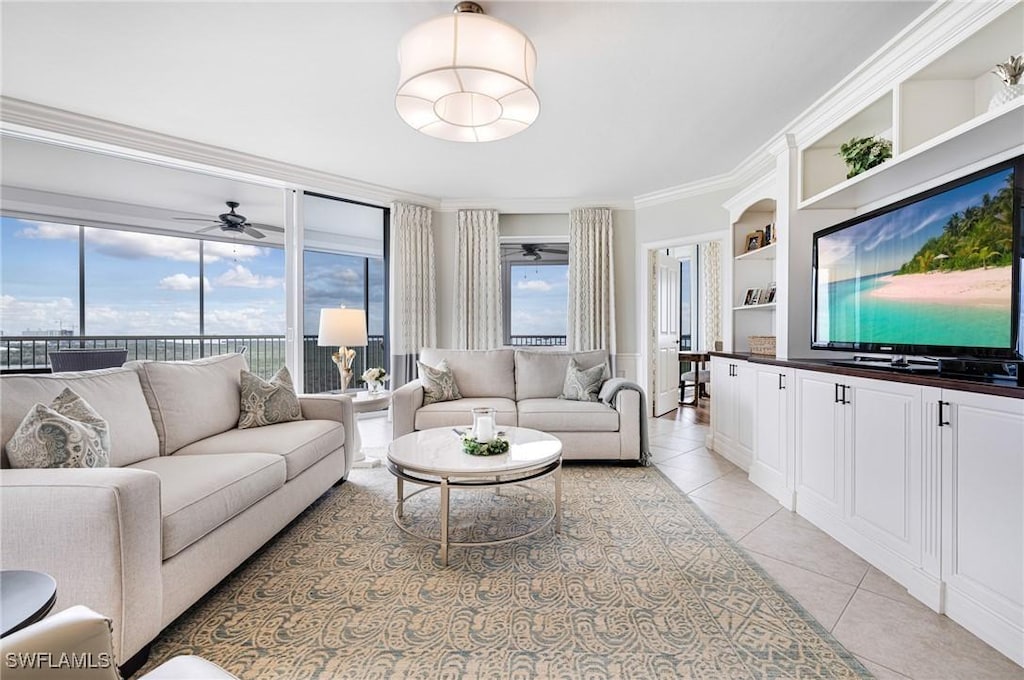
point(414, 308)
point(613, 386)
point(478, 317)
point(711, 271)
point(591, 322)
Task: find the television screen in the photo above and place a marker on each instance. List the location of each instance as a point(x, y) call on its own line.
point(931, 275)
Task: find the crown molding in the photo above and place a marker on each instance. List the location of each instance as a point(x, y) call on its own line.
point(28, 120)
point(532, 206)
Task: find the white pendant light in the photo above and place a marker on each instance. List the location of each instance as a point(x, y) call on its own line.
point(467, 77)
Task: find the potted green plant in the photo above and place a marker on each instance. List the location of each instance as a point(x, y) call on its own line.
point(1010, 72)
point(864, 153)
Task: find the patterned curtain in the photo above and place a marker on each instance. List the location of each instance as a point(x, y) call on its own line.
point(478, 320)
point(711, 270)
point(591, 323)
point(413, 292)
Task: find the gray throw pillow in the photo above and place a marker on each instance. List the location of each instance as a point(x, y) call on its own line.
point(266, 403)
point(66, 434)
point(582, 384)
point(438, 383)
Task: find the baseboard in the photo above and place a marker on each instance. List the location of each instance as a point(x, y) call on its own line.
point(1003, 635)
point(738, 456)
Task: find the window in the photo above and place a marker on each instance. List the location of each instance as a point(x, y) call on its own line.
point(38, 279)
point(535, 291)
point(689, 298)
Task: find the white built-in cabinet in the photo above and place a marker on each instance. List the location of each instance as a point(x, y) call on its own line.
point(926, 484)
point(732, 406)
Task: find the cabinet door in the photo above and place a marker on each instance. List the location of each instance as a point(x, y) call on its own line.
point(983, 507)
point(819, 440)
point(745, 388)
point(723, 399)
point(883, 463)
point(771, 469)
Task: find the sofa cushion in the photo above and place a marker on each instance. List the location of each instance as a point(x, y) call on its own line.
point(199, 493)
point(301, 442)
point(438, 383)
point(459, 412)
point(266, 402)
point(66, 434)
point(191, 400)
point(582, 384)
point(563, 415)
point(114, 393)
point(541, 374)
point(479, 373)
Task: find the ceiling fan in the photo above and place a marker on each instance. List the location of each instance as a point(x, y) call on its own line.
point(531, 250)
point(233, 223)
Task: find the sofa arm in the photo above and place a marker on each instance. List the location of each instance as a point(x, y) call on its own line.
point(627, 403)
point(97, 532)
point(405, 401)
point(333, 407)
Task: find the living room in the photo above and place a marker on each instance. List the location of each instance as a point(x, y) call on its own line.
point(685, 127)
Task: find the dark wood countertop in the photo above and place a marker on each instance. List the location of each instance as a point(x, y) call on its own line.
point(1001, 388)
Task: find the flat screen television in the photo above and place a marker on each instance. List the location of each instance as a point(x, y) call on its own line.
point(937, 274)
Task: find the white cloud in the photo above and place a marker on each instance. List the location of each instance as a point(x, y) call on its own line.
point(535, 285)
point(267, 319)
point(240, 277)
point(135, 245)
point(18, 316)
point(183, 282)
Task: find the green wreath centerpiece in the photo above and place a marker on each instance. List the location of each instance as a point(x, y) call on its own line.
point(476, 448)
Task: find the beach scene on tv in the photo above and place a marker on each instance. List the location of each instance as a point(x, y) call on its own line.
point(934, 272)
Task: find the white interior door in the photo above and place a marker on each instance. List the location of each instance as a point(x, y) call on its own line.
point(667, 329)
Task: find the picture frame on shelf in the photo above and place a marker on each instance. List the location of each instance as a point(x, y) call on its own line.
point(752, 297)
point(755, 240)
point(770, 294)
point(769, 234)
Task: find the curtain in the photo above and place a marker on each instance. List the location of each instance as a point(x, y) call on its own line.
point(478, 318)
point(711, 284)
point(414, 305)
point(591, 322)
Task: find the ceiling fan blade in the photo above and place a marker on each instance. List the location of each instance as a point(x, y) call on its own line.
point(252, 232)
point(209, 228)
point(196, 219)
point(265, 227)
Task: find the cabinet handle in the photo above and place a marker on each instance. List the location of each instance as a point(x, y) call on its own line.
point(782, 385)
point(941, 421)
point(837, 394)
point(845, 400)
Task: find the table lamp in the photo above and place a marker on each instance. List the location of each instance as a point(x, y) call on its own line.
point(344, 328)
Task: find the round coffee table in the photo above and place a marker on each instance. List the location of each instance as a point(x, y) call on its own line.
point(25, 597)
point(434, 458)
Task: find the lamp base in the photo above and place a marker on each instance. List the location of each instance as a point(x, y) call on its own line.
point(344, 366)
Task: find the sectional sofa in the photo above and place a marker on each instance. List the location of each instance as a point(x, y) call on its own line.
point(186, 499)
point(523, 386)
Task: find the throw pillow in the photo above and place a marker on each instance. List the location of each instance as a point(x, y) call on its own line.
point(582, 384)
point(268, 402)
point(66, 434)
point(438, 383)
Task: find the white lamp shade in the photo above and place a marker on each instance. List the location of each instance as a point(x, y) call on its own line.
point(341, 327)
point(467, 77)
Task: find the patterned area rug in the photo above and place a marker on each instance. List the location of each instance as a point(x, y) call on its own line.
point(639, 584)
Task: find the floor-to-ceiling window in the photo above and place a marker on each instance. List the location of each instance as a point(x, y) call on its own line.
point(535, 293)
point(343, 265)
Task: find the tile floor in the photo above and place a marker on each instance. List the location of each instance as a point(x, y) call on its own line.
point(893, 635)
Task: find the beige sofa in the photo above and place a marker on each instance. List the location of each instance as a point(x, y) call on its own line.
point(187, 496)
point(523, 387)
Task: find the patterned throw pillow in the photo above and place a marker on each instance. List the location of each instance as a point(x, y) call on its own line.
point(66, 434)
point(582, 384)
point(266, 403)
point(438, 383)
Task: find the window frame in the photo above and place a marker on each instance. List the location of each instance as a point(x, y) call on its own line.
point(508, 260)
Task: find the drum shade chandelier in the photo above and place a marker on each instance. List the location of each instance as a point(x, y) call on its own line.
point(466, 77)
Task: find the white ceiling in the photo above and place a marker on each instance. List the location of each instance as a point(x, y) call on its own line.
point(635, 97)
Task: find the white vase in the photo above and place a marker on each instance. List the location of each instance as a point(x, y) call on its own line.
point(1006, 95)
point(373, 386)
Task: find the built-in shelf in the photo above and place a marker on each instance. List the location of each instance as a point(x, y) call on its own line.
point(763, 253)
point(985, 139)
point(743, 308)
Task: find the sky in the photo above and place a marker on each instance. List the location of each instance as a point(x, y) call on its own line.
point(539, 299)
point(145, 284)
point(885, 243)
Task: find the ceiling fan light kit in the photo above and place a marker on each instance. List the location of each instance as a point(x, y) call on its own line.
point(467, 77)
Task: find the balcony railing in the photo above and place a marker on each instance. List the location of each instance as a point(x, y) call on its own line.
point(265, 353)
point(537, 340)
